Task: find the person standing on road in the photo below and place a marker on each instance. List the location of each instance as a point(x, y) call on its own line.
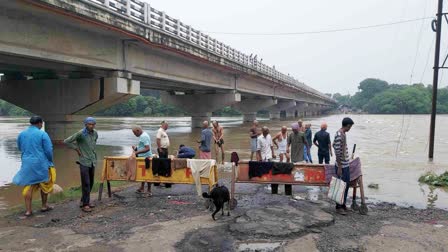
point(163, 143)
point(143, 149)
point(218, 134)
point(36, 171)
point(323, 142)
point(254, 132)
point(297, 142)
point(265, 147)
point(282, 138)
point(206, 142)
point(84, 142)
point(342, 159)
point(308, 136)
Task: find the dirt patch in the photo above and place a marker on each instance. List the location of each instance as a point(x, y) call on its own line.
point(176, 220)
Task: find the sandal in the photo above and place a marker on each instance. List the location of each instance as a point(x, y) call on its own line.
point(86, 209)
point(27, 215)
point(49, 208)
point(139, 191)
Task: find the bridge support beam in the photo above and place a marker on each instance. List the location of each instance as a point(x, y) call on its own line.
point(275, 110)
point(250, 106)
point(61, 102)
point(200, 106)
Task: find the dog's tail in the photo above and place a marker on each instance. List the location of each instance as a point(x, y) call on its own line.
point(206, 195)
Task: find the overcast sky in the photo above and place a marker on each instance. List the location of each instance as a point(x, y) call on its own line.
point(329, 62)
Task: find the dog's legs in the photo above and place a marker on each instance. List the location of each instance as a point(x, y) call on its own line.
point(218, 207)
point(222, 209)
point(228, 208)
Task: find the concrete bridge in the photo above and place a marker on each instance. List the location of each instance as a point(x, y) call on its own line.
point(64, 59)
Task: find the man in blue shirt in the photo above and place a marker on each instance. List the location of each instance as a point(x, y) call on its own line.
point(206, 142)
point(143, 149)
point(37, 158)
point(186, 152)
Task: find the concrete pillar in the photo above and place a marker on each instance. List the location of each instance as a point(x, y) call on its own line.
point(200, 106)
point(282, 105)
point(290, 113)
point(250, 106)
point(61, 102)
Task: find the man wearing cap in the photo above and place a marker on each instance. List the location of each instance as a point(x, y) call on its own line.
point(84, 143)
point(37, 164)
point(297, 142)
point(323, 143)
point(342, 159)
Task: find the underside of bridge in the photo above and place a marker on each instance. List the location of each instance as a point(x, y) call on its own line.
point(63, 62)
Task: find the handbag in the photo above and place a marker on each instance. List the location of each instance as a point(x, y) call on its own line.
point(337, 190)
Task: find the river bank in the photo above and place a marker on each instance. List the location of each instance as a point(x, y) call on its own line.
point(176, 220)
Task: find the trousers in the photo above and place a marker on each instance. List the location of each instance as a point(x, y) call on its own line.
point(87, 181)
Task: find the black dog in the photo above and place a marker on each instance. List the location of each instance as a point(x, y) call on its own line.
point(219, 195)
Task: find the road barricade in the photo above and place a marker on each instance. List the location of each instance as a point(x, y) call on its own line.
point(301, 174)
point(138, 170)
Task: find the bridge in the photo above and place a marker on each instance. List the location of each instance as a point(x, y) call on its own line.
point(64, 59)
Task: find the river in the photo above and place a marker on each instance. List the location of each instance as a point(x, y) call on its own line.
point(393, 150)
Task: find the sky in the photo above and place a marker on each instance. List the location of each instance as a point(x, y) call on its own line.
point(328, 62)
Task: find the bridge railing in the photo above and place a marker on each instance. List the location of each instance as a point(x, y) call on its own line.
point(142, 12)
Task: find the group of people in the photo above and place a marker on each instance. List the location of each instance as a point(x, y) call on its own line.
point(37, 170)
point(296, 147)
point(291, 147)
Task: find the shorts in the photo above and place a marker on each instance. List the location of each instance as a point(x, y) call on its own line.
point(253, 145)
point(281, 149)
point(220, 142)
point(205, 155)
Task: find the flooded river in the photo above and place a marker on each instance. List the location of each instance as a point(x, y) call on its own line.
point(393, 150)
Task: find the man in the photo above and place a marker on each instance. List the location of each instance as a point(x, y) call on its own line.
point(296, 141)
point(84, 143)
point(37, 159)
point(254, 132)
point(163, 143)
point(282, 138)
point(143, 149)
point(186, 152)
point(265, 148)
point(342, 159)
point(218, 135)
point(206, 142)
point(308, 136)
point(301, 128)
point(323, 143)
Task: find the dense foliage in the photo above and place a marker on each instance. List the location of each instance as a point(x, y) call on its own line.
point(379, 97)
point(8, 109)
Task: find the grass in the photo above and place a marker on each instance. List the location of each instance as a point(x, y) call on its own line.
point(435, 180)
point(72, 193)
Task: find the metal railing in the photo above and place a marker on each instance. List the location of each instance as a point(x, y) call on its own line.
point(142, 12)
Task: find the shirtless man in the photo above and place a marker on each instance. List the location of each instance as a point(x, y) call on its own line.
point(218, 135)
point(282, 138)
point(254, 132)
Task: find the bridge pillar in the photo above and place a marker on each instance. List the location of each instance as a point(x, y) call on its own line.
point(275, 110)
point(62, 102)
point(250, 106)
point(200, 106)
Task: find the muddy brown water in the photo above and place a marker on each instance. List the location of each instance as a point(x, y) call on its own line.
point(393, 150)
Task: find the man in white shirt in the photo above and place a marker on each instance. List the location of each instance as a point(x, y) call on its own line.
point(265, 148)
point(163, 143)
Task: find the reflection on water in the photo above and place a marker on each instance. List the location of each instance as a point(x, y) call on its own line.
point(393, 150)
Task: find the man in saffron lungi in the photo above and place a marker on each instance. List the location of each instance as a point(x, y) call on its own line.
point(36, 171)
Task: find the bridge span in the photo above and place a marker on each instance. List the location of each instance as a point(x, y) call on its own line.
point(64, 59)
